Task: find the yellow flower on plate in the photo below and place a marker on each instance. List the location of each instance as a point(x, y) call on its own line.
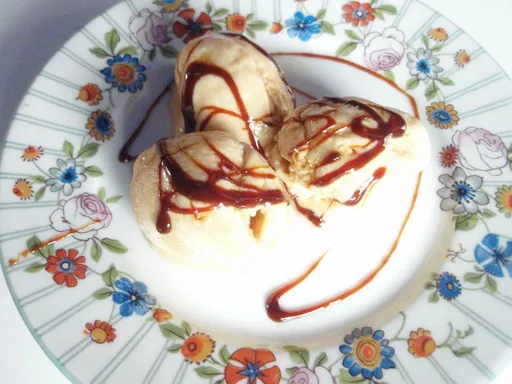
point(421, 344)
point(438, 34)
point(23, 189)
point(442, 116)
point(198, 347)
point(462, 58)
point(32, 153)
point(504, 200)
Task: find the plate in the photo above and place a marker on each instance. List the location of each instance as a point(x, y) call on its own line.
point(90, 301)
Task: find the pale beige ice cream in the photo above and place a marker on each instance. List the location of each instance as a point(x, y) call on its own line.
point(247, 93)
point(223, 222)
point(315, 147)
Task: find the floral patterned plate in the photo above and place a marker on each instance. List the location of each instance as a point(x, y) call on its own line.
point(59, 173)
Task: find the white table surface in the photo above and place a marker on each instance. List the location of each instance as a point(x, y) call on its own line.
point(32, 30)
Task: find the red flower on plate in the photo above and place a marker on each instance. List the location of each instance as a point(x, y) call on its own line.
point(358, 13)
point(250, 366)
point(188, 28)
point(66, 267)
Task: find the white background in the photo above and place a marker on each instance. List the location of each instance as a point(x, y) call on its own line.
point(32, 30)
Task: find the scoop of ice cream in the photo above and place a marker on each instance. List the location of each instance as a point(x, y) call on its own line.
point(225, 82)
point(335, 148)
point(206, 196)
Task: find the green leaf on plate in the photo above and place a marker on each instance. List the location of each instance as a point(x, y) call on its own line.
point(446, 81)
point(258, 25)
point(152, 54)
point(34, 267)
point(345, 377)
point(391, 9)
point(110, 276)
point(207, 372)
point(114, 246)
point(68, 148)
point(437, 47)
point(40, 193)
point(221, 12)
point(102, 293)
point(113, 199)
point(490, 284)
point(291, 371)
point(249, 17)
point(99, 52)
point(346, 48)
point(298, 355)
point(466, 222)
point(473, 277)
point(433, 297)
point(88, 150)
point(320, 360)
point(321, 14)
point(250, 33)
point(379, 14)
point(425, 41)
point(37, 179)
point(412, 83)
point(174, 348)
point(33, 242)
point(186, 326)
point(130, 49)
point(93, 171)
point(217, 27)
point(464, 351)
point(172, 331)
point(429, 285)
point(487, 213)
point(102, 194)
point(431, 91)
point(224, 354)
point(168, 51)
point(389, 75)
point(112, 39)
point(327, 27)
point(468, 332)
point(353, 35)
point(208, 7)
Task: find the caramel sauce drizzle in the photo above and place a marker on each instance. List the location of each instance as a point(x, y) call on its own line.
point(278, 314)
point(209, 191)
point(53, 240)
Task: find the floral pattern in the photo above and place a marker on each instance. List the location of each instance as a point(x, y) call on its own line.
point(472, 156)
point(461, 192)
point(367, 353)
point(302, 26)
point(132, 297)
point(67, 176)
point(100, 332)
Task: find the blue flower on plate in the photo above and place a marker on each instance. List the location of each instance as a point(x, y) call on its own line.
point(367, 353)
point(125, 73)
point(67, 176)
point(133, 297)
point(494, 254)
point(448, 286)
point(302, 26)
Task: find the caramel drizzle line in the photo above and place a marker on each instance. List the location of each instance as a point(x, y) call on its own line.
point(38, 247)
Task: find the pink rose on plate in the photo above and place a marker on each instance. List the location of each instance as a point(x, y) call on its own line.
point(384, 51)
point(305, 375)
point(148, 29)
point(85, 211)
point(481, 150)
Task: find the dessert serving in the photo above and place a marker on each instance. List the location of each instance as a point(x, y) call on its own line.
point(248, 173)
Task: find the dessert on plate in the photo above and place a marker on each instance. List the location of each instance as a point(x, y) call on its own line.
point(248, 173)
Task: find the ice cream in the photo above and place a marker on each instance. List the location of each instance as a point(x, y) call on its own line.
point(187, 191)
point(334, 148)
point(226, 82)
